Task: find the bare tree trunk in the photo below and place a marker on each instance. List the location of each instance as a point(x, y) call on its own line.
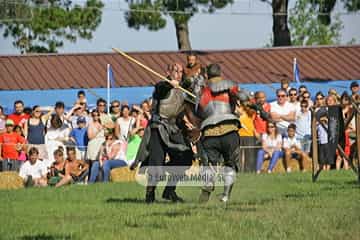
point(182, 35)
point(280, 26)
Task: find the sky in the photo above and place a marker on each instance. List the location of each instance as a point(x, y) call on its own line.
point(251, 29)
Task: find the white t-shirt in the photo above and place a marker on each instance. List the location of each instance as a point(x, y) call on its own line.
point(37, 170)
point(125, 126)
point(272, 143)
point(282, 110)
point(289, 142)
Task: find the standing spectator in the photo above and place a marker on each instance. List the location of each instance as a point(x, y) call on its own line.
point(19, 117)
point(247, 137)
point(354, 87)
point(34, 171)
point(79, 110)
point(96, 138)
point(80, 137)
point(81, 97)
point(262, 113)
point(133, 144)
point(302, 89)
point(319, 100)
point(105, 118)
point(124, 124)
point(113, 155)
point(34, 130)
point(284, 84)
point(335, 94)
point(143, 113)
point(324, 158)
point(56, 136)
point(10, 145)
point(282, 112)
point(2, 120)
point(303, 126)
point(271, 148)
point(293, 99)
point(60, 112)
point(21, 152)
point(292, 149)
point(307, 97)
point(115, 110)
point(76, 171)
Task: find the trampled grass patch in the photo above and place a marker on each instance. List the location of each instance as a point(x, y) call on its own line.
point(275, 206)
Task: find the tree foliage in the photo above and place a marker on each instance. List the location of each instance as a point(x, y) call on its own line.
point(151, 14)
point(42, 25)
point(307, 29)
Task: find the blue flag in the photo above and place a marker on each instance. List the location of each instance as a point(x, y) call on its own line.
point(111, 76)
point(296, 72)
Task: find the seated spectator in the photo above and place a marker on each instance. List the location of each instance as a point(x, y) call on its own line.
point(57, 169)
point(303, 126)
point(271, 148)
point(292, 149)
point(80, 138)
point(2, 120)
point(282, 112)
point(10, 145)
point(76, 171)
point(262, 113)
point(34, 171)
point(19, 117)
point(113, 155)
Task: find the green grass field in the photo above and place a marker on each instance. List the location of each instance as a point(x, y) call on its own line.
point(262, 207)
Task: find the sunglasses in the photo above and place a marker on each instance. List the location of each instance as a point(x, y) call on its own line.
point(281, 96)
point(271, 126)
point(319, 98)
point(293, 94)
point(95, 115)
point(306, 97)
point(82, 103)
point(101, 105)
point(303, 106)
point(115, 106)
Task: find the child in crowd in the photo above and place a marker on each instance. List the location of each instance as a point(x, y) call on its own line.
point(22, 154)
point(34, 171)
point(292, 149)
point(80, 138)
point(323, 144)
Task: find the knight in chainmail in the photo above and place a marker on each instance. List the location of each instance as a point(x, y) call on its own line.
point(164, 138)
point(219, 127)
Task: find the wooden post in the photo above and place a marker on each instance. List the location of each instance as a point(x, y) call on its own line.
point(315, 155)
point(357, 118)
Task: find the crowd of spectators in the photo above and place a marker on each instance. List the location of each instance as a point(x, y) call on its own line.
point(51, 147)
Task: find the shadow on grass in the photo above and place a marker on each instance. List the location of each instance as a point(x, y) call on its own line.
point(125, 200)
point(46, 237)
point(172, 214)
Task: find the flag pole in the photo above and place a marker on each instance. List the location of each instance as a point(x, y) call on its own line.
point(108, 89)
point(294, 70)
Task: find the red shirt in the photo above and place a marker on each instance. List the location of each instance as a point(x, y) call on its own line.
point(260, 124)
point(8, 143)
point(19, 119)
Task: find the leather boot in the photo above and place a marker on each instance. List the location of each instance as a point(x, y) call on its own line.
point(150, 194)
point(226, 195)
point(170, 194)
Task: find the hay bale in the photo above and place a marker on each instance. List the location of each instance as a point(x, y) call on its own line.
point(10, 180)
point(293, 164)
point(123, 174)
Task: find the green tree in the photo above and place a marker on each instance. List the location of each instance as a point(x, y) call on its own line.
point(151, 15)
point(42, 25)
point(307, 29)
